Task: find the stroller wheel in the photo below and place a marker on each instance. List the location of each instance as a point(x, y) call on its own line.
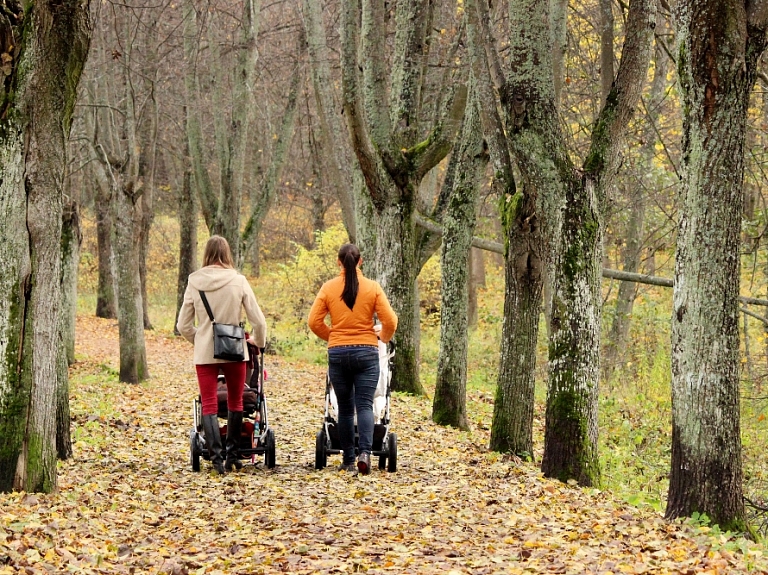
point(269, 454)
point(382, 462)
point(392, 442)
point(194, 454)
point(321, 457)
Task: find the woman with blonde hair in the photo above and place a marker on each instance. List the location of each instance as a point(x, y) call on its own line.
point(352, 300)
point(228, 293)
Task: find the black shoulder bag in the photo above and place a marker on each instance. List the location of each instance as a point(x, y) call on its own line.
point(227, 339)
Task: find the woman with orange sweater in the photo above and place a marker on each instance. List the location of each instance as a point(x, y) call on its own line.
point(351, 299)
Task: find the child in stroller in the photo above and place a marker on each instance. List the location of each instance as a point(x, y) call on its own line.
point(384, 442)
point(256, 436)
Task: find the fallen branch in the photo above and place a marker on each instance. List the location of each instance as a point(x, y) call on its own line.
point(498, 248)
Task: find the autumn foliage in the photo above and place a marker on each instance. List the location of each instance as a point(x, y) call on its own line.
point(128, 501)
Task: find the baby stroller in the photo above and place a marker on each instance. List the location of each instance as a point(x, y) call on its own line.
point(256, 436)
point(384, 442)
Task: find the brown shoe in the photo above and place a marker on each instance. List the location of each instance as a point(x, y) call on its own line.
point(348, 467)
point(364, 463)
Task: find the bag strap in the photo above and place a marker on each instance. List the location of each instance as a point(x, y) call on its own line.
point(207, 307)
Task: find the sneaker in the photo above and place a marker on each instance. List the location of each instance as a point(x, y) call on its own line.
point(347, 467)
point(364, 463)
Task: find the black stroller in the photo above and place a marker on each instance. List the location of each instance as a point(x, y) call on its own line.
point(256, 436)
point(384, 442)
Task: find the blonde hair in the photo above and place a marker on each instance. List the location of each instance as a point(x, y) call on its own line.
point(217, 252)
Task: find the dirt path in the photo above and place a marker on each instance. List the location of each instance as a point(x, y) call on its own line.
point(128, 501)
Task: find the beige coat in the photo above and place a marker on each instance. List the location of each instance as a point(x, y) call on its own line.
point(228, 293)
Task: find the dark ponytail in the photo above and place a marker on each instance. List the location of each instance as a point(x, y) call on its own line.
point(349, 256)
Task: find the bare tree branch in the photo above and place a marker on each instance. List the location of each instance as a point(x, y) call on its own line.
point(611, 125)
point(353, 104)
point(480, 45)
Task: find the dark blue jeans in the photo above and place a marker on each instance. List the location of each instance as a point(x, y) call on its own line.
point(354, 373)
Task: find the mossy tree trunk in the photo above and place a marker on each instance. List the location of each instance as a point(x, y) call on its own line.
point(559, 208)
point(570, 437)
point(512, 424)
point(48, 42)
point(449, 406)
point(396, 146)
point(524, 259)
point(127, 219)
point(719, 45)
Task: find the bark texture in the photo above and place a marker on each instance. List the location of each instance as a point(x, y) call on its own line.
point(719, 44)
point(449, 404)
point(48, 42)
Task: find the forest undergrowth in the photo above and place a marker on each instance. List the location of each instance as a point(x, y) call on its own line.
point(129, 502)
point(635, 401)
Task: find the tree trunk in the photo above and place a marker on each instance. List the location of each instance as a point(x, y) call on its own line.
point(142, 244)
point(147, 159)
point(193, 120)
point(318, 213)
point(476, 280)
point(397, 271)
point(719, 44)
point(63, 435)
point(449, 406)
point(570, 439)
point(365, 218)
point(551, 182)
point(606, 48)
point(558, 10)
point(52, 46)
point(106, 305)
point(127, 218)
point(187, 236)
point(512, 424)
point(71, 238)
point(244, 99)
point(117, 142)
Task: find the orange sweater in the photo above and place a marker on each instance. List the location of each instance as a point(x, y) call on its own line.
point(352, 326)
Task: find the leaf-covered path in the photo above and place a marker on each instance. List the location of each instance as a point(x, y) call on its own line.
point(128, 501)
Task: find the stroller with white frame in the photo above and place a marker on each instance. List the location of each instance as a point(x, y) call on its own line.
point(327, 441)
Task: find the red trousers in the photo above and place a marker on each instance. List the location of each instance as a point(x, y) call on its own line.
point(234, 373)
